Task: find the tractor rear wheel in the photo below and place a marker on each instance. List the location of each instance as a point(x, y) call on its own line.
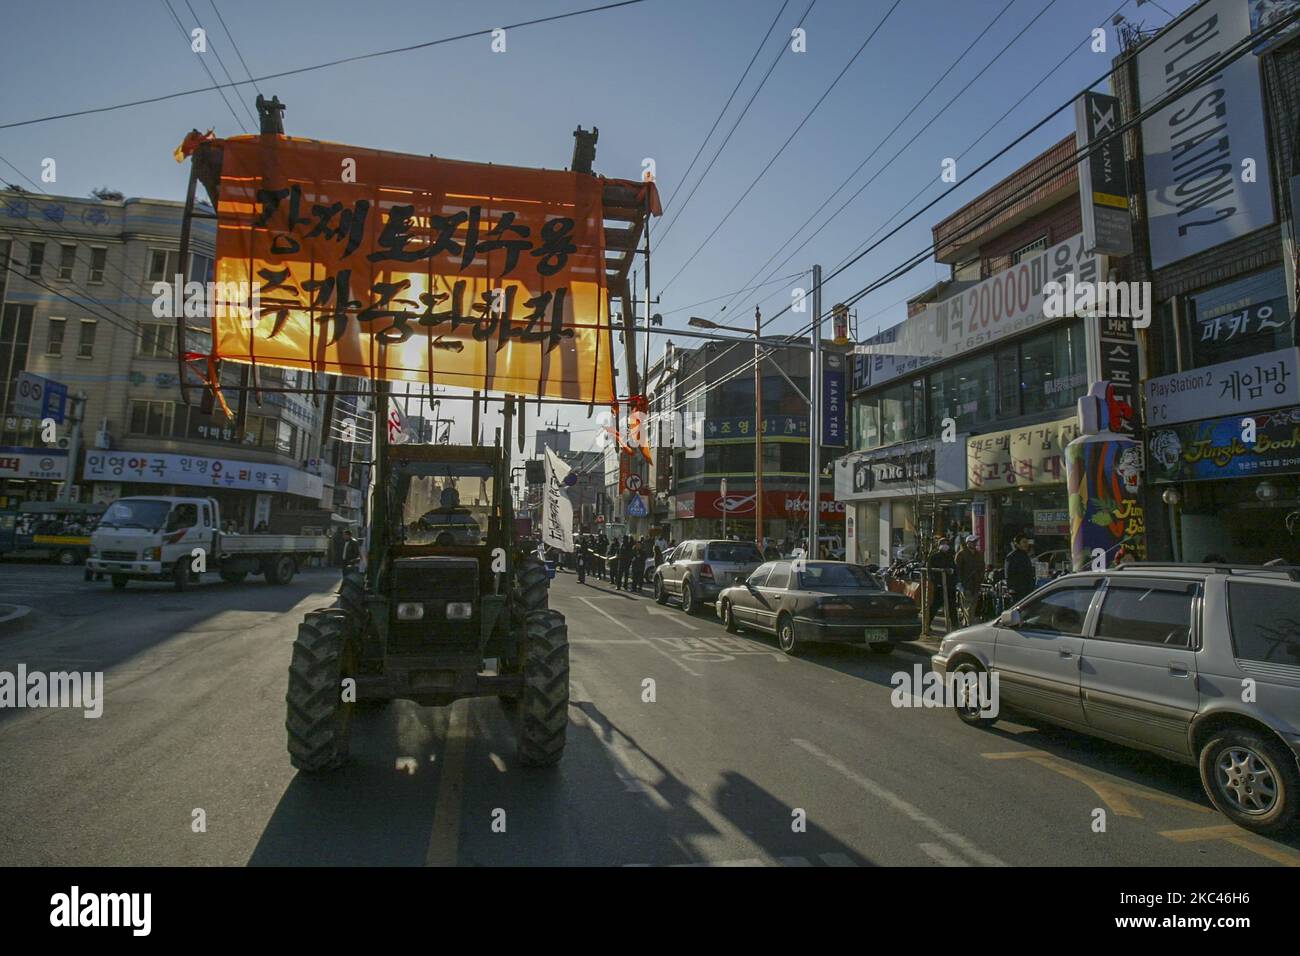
point(543, 710)
point(318, 720)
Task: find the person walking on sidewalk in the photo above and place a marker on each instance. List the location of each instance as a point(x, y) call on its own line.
point(943, 579)
point(1019, 569)
point(581, 560)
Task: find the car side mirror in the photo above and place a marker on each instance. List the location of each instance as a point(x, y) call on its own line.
point(1011, 618)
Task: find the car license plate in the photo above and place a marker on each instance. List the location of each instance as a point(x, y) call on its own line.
point(877, 634)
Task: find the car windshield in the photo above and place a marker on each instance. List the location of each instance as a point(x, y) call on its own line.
point(140, 513)
point(735, 552)
point(817, 576)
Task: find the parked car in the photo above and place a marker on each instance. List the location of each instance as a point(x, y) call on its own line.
point(1197, 663)
point(700, 569)
point(820, 602)
point(650, 563)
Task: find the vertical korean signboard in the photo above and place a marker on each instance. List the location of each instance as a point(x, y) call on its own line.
point(413, 268)
point(833, 417)
point(1103, 183)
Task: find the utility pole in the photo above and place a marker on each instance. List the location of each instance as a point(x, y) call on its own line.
point(814, 416)
point(74, 449)
point(758, 427)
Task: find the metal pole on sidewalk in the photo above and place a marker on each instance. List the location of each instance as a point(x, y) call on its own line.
point(814, 416)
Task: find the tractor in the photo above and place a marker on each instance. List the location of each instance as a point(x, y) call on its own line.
point(435, 602)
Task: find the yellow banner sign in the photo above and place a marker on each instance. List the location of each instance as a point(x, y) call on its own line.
point(412, 268)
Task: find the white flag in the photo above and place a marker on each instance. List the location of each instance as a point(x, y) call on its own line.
point(398, 431)
point(557, 509)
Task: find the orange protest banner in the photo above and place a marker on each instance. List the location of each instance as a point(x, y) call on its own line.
point(412, 268)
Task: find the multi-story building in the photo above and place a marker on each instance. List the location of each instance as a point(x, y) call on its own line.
point(77, 306)
point(961, 412)
point(707, 396)
point(1213, 188)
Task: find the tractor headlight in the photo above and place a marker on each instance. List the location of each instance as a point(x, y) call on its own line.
point(459, 610)
point(410, 611)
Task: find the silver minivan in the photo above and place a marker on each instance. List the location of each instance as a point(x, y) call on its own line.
point(700, 569)
point(1198, 663)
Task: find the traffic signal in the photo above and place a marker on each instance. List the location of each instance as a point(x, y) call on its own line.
point(534, 472)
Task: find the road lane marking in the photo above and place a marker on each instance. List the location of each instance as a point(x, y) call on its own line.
point(675, 618)
point(599, 640)
point(1238, 837)
point(836, 859)
point(444, 835)
point(640, 639)
point(942, 855)
point(794, 861)
point(1114, 795)
point(914, 813)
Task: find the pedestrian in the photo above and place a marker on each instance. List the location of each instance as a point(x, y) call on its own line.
point(970, 570)
point(1018, 569)
point(943, 578)
point(638, 564)
point(625, 562)
point(582, 560)
point(351, 557)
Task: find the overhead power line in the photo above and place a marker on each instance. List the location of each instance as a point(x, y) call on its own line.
point(1191, 82)
point(789, 139)
point(726, 139)
point(727, 105)
point(319, 66)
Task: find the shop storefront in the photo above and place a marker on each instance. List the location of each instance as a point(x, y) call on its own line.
point(699, 514)
point(31, 474)
point(1018, 475)
point(1228, 498)
point(896, 495)
point(248, 493)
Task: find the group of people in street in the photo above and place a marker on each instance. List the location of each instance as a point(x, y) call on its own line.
point(619, 560)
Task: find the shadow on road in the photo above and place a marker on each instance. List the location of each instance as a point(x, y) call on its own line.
point(610, 802)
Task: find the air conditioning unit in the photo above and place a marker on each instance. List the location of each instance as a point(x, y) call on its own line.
point(64, 443)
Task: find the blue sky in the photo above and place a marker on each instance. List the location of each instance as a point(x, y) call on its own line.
point(651, 76)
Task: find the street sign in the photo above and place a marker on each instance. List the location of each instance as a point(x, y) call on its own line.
point(633, 483)
point(40, 398)
point(636, 507)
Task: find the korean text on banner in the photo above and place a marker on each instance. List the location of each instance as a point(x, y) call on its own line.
point(557, 509)
point(413, 268)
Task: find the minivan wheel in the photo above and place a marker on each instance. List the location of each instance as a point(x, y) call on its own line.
point(1251, 780)
point(785, 635)
point(971, 710)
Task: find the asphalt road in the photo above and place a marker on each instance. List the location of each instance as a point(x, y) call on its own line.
point(733, 755)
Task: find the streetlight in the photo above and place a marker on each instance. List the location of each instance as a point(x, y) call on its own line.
point(758, 412)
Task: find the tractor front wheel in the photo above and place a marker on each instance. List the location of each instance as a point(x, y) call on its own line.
point(325, 655)
point(543, 709)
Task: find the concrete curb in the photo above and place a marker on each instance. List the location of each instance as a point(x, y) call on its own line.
point(11, 615)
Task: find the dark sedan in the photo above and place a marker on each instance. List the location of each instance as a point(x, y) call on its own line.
point(820, 601)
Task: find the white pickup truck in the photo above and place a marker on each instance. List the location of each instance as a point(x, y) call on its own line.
point(163, 538)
